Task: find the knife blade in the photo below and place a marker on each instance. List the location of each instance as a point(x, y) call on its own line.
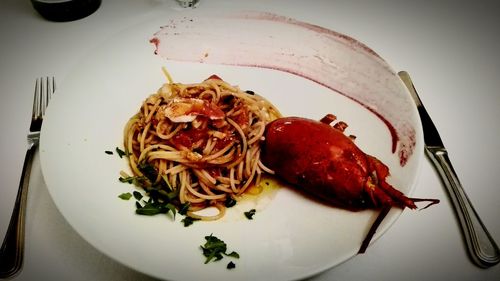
point(482, 248)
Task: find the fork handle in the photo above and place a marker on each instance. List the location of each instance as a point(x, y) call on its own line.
point(12, 251)
point(482, 248)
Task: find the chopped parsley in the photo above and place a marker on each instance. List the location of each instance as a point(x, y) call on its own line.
point(132, 180)
point(120, 152)
point(187, 221)
point(152, 208)
point(214, 249)
point(230, 202)
point(137, 195)
point(158, 201)
point(108, 152)
point(231, 265)
point(250, 214)
point(184, 208)
point(125, 196)
point(148, 170)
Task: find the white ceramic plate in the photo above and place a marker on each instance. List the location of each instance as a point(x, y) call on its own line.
point(290, 237)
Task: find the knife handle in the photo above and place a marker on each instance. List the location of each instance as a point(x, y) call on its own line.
point(482, 248)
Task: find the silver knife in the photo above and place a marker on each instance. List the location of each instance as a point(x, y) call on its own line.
point(482, 248)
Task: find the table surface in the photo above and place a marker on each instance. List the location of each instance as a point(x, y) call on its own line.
point(449, 48)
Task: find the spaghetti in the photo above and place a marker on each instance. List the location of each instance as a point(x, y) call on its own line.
point(199, 142)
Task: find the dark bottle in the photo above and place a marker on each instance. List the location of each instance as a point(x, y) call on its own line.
point(65, 10)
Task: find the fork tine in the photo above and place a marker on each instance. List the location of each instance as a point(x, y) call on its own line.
point(45, 96)
point(39, 98)
point(46, 90)
point(51, 88)
point(35, 99)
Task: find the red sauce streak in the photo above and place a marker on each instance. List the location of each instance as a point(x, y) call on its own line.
point(405, 152)
point(155, 41)
point(315, 28)
point(390, 127)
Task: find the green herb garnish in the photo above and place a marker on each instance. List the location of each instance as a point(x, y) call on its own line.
point(229, 202)
point(148, 170)
point(187, 221)
point(184, 208)
point(108, 152)
point(215, 248)
point(137, 195)
point(231, 265)
point(135, 180)
point(250, 214)
point(161, 197)
point(125, 196)
point(120, 152)
point(153, 208)
point(127, 179)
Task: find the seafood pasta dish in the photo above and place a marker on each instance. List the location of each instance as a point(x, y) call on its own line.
point(198, 145)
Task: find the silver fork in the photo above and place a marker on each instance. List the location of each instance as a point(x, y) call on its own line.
point(12, 251)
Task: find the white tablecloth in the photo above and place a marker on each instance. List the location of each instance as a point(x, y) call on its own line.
point(450, 48)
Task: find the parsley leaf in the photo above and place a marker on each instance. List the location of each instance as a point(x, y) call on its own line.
point(148, 170)
point(136, 180)
point(229, 202)
point(154, 207)
point(125, 196)
point(184, 208)
point(250, 214)
point(231, 265)
point(188, 221)
point(149, 209)
point(137, 195)
point(120, 152)
point(215, 248)
point(233, 254)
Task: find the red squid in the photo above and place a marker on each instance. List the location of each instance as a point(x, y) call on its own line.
point(323, 162)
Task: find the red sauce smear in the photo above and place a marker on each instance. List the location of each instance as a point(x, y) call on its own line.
point(311, 65)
